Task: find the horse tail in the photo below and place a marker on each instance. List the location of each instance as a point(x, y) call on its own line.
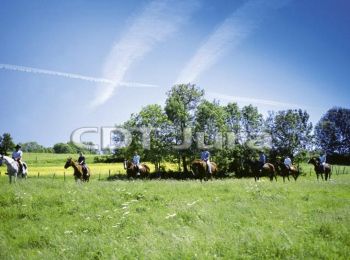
point(146, 167)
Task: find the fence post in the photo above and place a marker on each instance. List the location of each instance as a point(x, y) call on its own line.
point(54, 174)
point(109, 173)
point(64, 176)
point(0, 173)
point(38, 174)
point(344, 170)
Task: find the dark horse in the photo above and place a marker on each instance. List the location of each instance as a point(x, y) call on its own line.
point(319, 169)
point(284, 171)
point(79, 172)
point(268, 169)
point(132, 171)
point(200, 169)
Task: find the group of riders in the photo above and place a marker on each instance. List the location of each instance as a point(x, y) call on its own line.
point(205, 157)
point(18, 154)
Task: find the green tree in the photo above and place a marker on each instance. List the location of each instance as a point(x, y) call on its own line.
point(6, 144)
point(251, 123)
point(154, 119)
point(180, 107)
point(290, 131)
point(63, 148)
point(332, 132)
point(233, 118)
point(32, 147)
point(210, 120)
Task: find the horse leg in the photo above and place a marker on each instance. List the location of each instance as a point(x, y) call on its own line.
point(322, 176)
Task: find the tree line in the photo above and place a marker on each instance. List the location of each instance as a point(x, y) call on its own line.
point(7, 145)
point(232, 134)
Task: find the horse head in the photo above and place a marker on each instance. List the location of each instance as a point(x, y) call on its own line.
point(313, 161)
point(68, 162)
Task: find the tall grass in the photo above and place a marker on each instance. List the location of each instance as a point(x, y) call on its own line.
point(45, 218)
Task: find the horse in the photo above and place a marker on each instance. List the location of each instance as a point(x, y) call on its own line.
point(319, 169)
point(200, 169)
point(13, 169)
point(284, 171)
point(268, 169)
point(134, 171)
point(79, 173)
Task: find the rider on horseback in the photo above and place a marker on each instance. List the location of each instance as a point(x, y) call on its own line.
point(322, 160)
point(287, 162)
point(136, 161)
point(262, 160)
point(205, 156)
point(17, 156)
point(81, 161)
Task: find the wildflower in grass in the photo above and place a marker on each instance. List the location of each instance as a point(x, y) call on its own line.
point(68, 232)
point(170, 216)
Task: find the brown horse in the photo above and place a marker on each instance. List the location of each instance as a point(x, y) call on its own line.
point(286, 172)
point(200, 169)
point(79, 173)
point(320, 170)
point(268, 169)
point(132, 171)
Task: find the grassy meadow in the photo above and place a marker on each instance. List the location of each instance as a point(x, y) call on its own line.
point(46, 218)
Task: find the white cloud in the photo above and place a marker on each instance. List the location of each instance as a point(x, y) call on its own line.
point(158, 21)
point(229, 34)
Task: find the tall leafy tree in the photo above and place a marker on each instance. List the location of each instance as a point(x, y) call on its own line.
point(290, 131)
point(332, 132)
point(6, 144)
point(210, 120)
point(180, 107)
point(251, 123)
point(153, 119)
point(233, 118)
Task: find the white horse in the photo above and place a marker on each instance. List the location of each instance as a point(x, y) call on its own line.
point(13, 168)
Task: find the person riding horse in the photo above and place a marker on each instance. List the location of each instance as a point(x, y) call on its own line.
point(322, 160)
point(205, 156)
point(81, 161)
point(287, 163)
point(262, 160)
point(17, 156)
point(136, 160)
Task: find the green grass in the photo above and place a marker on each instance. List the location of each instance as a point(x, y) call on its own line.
point(53, 219)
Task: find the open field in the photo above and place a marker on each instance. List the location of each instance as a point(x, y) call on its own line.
point(44, 218)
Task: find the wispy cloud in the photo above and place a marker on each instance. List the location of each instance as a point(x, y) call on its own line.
point(71, 75)
point(253, 101)
point(159, 20)
point(229, 34)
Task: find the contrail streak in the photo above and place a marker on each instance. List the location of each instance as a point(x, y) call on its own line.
point(157, 22)
point(253, 100)
point(237, 27)
point(73, 76)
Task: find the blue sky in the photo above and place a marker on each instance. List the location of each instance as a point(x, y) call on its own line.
point(118, 56)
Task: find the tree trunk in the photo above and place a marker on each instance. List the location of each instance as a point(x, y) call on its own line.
point(184, 163)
